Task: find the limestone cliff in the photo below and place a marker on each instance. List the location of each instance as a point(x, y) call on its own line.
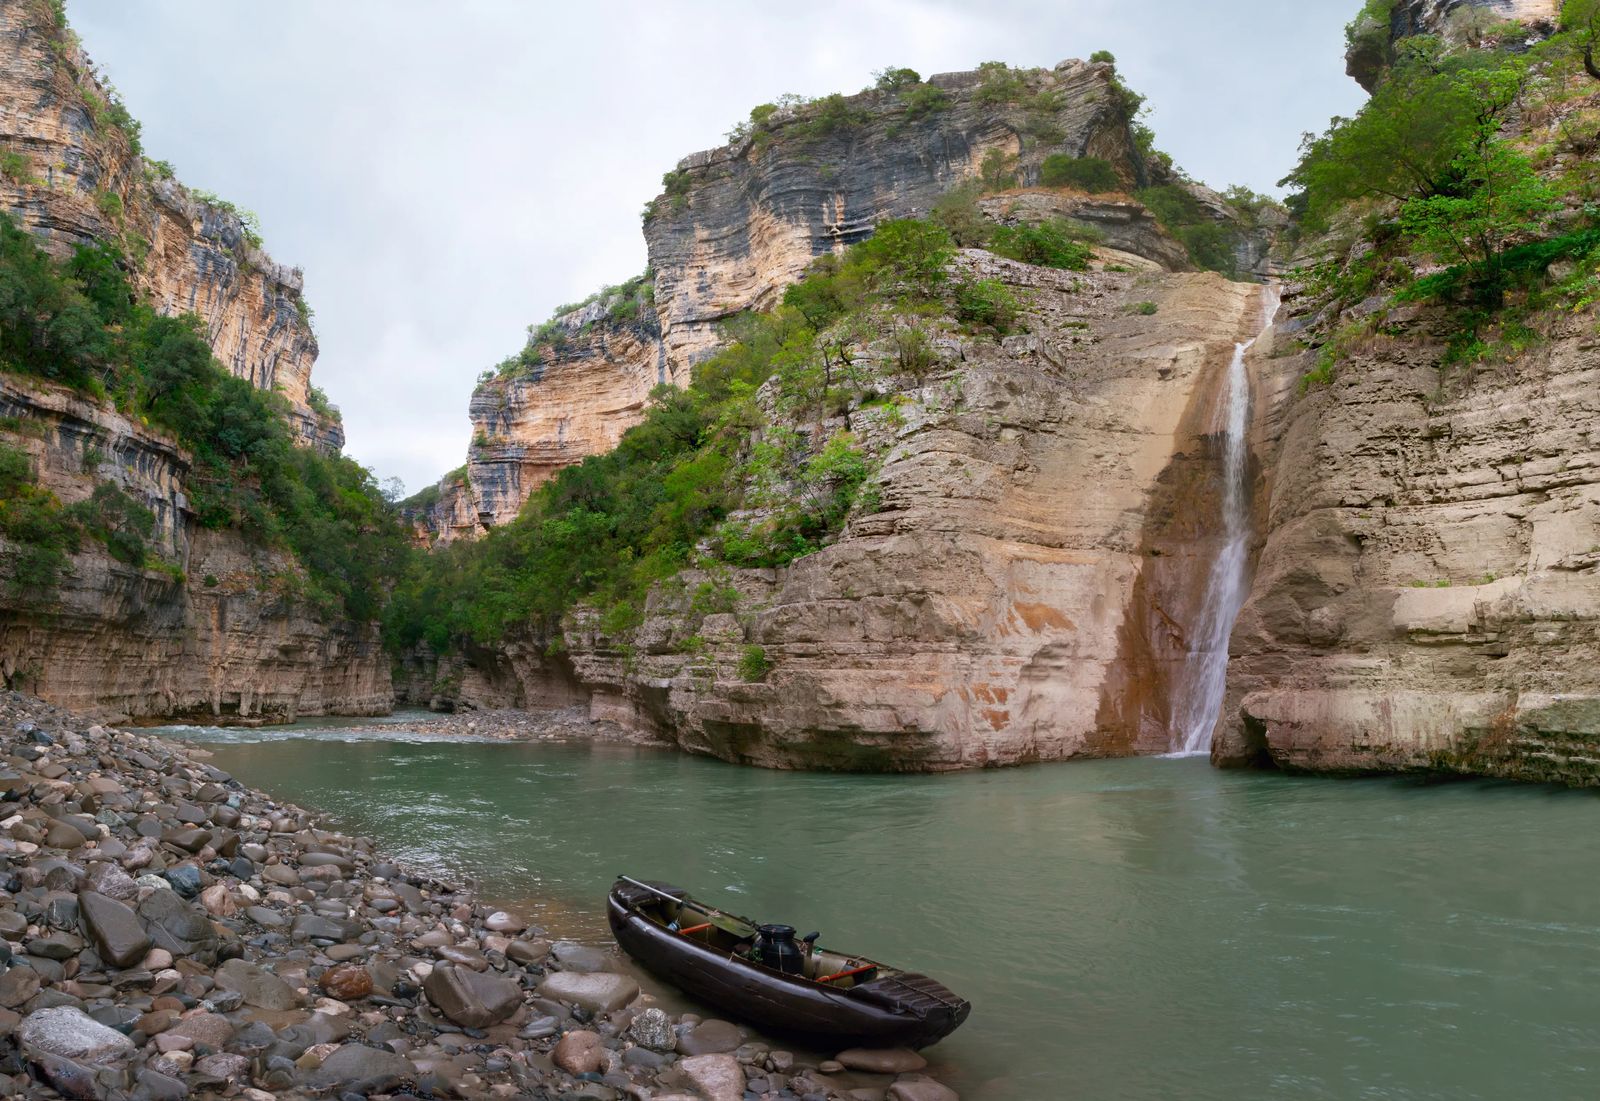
point(1372, 41)
point(217, 626)
point(73, 176)
point(582, 382)
point(741, 222)
point(1428, 592)
point(218, 633)
point(982, 614)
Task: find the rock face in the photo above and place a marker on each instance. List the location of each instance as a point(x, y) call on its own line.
point(743, 221)
point(84, 183)
point(988, 614)
point(218, 632)
point(227, 639)
point(1428, 594)
point(740, 224)
point(527, 425)
point(1372, 44)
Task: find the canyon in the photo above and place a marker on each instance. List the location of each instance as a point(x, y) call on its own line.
point(741, 222)
point(220, 631)
point(1028, 581)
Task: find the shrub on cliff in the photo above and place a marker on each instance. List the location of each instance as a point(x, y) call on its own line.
point(1092, 174)
point(1407, 141)
point(1053, 244)
point(80, 324)
point(1212, 245)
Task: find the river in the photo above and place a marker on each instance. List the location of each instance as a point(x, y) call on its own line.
point(1134, 929)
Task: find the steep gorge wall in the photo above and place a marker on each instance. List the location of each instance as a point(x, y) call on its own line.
point(220, 631)
point(530, 423)
point(741, 223)
point(227, 638)
point(1372, 44)
point(980, 616)
point(1428, 591)
point(83, 183)
point(744, 220)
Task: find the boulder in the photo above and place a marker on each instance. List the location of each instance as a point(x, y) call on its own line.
point(258, 987)
point(348, 983)
point(470, 999)
point(598, 993)
point(114, 928)
point(919, 1087)
point(717, 1077)
point(353, 1063)
point(579, 1052)
point(69, 1033)
point(177, 927)
point(893, 1060)
point(573, 956)
point(653, 1029)
point(711, 1038)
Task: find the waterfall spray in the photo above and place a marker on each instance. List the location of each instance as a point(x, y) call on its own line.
point(1205, 668)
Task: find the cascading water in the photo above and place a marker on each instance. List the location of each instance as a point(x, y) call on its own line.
point(1205, 667)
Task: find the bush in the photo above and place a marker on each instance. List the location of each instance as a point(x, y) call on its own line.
point(1211, 245)
point(958, 212)
point(754, 664)
point(893, 80)
point(907, 252)
point(999, 83)
point(1052, 244)
point(1092, 174)
point(15, 167)
point(988, 303)
point(80, 325)
point(998, 170)
point(924, 100)
point(1103, 57)
point(1143, 309)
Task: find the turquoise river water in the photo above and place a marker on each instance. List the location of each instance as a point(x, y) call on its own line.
point(1136, 929)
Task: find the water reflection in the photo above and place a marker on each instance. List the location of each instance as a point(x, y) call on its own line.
point(1127, 929)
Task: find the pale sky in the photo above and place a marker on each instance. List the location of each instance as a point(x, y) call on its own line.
point(448, 171)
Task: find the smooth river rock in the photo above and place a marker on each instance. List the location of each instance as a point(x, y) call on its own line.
point(600, 992)
point(257, 986)
point(894, 1060)
point(717, 1077)
point(471, 999)
point(69, 1033)
point(114, 928)
point(579, 1052)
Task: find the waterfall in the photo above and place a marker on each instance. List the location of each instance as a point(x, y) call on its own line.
point(1204, 680)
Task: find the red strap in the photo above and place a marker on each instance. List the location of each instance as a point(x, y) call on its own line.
point(847, 974)
point(694, 929)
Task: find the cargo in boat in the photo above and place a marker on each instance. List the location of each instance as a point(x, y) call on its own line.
point(765, 975)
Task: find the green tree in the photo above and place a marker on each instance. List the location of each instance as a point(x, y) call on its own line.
point(1497, 198)
point(1092, 174)
point(1407, 141)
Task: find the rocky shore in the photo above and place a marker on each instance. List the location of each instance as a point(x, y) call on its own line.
point(503, 725)
point(169, 933)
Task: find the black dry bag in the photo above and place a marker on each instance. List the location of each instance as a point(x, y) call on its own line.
point(777, 948)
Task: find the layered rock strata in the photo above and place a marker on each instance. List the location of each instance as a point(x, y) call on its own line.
point(741, 222)
point(1428, 590)
point(980, 616)
point(214, 631)
point(593, 375)
point(77, 180)
point(1372, 44)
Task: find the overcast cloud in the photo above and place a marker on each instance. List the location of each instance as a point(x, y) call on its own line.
point(448, 171)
